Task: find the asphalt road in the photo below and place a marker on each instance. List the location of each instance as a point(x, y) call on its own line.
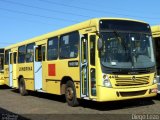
point(44, 106)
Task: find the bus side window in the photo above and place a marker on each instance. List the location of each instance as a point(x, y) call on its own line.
point(14, 57)
point(43, 53)
point(52, 52)
point(69, 45)
point(11, 60)
point(21, 54)
point(1, 62)
point(1, 58)
point(7, 57)
point(30, 52)
point(38, 53)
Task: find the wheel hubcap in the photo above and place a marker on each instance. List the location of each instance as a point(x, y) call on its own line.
point(21, 88)
point(69, 93)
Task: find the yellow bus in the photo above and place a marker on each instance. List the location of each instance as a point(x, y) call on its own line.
point(102, 59)
point(156, 37)
point(1, 66)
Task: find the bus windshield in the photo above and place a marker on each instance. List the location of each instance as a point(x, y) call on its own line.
point(127, 50)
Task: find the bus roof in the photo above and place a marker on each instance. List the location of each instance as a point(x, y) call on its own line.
point(156, 30)
point(79, 26)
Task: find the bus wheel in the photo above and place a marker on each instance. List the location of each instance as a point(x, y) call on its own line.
point(22, 87)
point(70, 94)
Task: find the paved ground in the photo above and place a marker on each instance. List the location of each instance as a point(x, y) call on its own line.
point(38, 104)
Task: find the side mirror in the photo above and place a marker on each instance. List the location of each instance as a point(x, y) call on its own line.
point(99, 43)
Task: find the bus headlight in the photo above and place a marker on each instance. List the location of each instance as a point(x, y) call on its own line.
point(106, 81)
point(156, 79)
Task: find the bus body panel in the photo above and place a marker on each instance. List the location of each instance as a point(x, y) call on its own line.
point(2, 82)
point(15, 80)
point(6, 74)
point(25, 70)
point(55, 71)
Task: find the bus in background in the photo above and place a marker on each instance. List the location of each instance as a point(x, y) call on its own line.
point(102, 59)
point(156, 37)
point(1, 66)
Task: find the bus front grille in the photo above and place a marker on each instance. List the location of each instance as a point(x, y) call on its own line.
point(131, 81)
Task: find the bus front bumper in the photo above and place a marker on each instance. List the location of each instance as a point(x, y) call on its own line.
point(113, 94)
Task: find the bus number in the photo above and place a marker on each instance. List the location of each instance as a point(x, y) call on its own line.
point(113, 76)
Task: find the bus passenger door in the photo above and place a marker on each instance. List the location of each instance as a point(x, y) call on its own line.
point(92, 65)
point(10, 69)
point(87, 66)
point(38, 68)
point(84, 67)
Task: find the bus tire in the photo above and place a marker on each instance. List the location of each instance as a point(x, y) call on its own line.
point(22, 87)
point(70, 94)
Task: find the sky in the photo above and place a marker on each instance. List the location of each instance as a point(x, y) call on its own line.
point(24, 19)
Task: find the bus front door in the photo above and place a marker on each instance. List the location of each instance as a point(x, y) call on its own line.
point(87, 66)
point(10, 69)
point(37, 68)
